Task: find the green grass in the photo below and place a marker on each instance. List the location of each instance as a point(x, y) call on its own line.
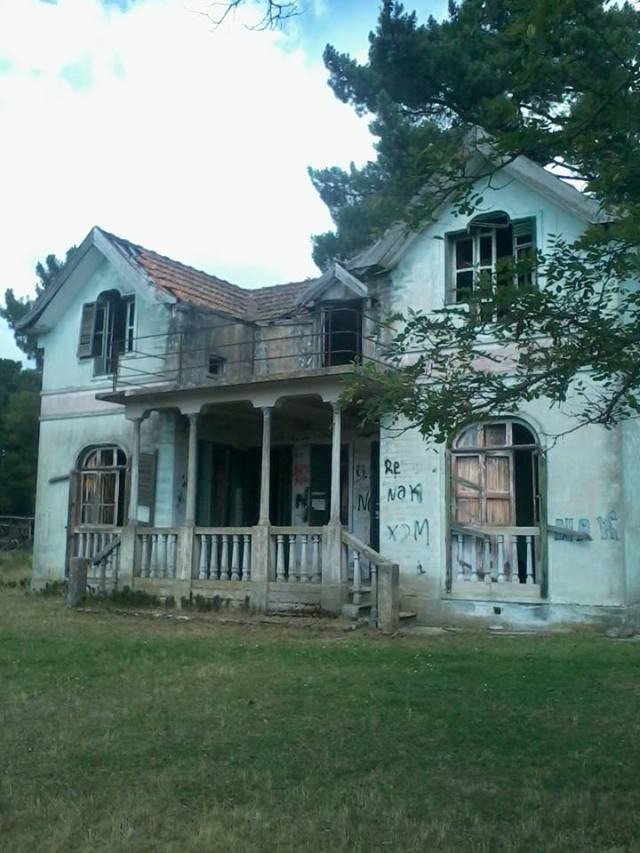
point(123, 733)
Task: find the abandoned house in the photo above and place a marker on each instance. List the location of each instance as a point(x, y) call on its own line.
point(192, 441)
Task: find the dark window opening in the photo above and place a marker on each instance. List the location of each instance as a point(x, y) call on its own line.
point(493, 253)
point(342, 334)
point(215, 365)
point(107, 329)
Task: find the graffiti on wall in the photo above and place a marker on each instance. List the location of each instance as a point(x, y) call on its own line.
point(409, 494)
point(606, 524)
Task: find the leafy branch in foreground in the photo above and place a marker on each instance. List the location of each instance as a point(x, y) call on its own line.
point(574, 338)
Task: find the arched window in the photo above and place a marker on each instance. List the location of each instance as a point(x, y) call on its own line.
point(102, 486)
point(495, 502)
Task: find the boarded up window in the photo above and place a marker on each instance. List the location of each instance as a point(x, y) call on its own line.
point(491, 480)
point(85, 342)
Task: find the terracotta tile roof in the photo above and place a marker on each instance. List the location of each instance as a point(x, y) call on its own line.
point(208, 291)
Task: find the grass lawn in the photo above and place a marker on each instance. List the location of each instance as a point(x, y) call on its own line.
point(122, 733)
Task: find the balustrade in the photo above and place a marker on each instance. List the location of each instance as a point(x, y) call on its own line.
point(495, 555)
point(223, 554)
point(156, 552)
point(298, 554)
point(90, 542)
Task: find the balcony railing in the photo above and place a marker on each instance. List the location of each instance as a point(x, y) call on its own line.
point(235, 353)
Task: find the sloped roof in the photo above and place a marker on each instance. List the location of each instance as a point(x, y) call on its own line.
point(202, 289)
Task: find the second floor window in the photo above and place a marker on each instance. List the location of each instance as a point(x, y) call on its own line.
point(342, 333)
point(107, 329)
point(493, 252)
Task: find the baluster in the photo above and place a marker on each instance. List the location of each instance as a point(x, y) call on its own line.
point(460, 539)
point(163, 555)
point(81, 543)
point(304, 566)
point(486, 560)
point(202, 571)
point(213, 558)
point(374, 593)
point(144, 556)
point(235, 558)
point(501, 575)
point(315, 558)
point(246, 557)
point(530, 577)
point(292, 558)
point(515, 575)
point(174, 552)
point(474, 559)
point(224, 558)
point(154, 556)
point(357, 585)
point(280, 575)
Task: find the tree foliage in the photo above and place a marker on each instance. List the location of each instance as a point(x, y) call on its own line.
point(19, 409)
point(559, 83)
point(15, 308)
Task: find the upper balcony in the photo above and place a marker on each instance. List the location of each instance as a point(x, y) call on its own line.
point(217, 352)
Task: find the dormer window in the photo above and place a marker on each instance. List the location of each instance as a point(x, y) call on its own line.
point(107, 329)
point(493, 251)
point(342, 333)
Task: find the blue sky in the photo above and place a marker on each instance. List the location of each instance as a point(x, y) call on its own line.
point(136, 116)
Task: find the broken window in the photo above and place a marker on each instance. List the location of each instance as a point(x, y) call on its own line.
point(493, 252)
point(107, 329)
point(495, 502)
point(494, 471)
point(102, 486)
point(342, 333)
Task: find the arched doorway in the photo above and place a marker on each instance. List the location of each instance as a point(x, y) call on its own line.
point(495, 503)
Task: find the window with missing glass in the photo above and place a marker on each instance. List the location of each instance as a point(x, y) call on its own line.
point(102, 477)
point(493, 251)
point(107, 329)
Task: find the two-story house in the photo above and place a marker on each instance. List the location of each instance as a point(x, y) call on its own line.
point(193, 441)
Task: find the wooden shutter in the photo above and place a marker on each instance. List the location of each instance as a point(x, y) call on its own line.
point(467, 489)
point(85, 342)
point(147, 482)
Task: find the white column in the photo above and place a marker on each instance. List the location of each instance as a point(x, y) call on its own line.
point(135, 472)
point(334, 517)
point(192, 471)
point(265, 479)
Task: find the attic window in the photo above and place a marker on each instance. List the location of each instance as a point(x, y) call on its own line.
point(107, 329)
point(492, 252)
point(216, 365)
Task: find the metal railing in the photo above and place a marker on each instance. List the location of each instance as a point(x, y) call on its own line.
point(227, 353)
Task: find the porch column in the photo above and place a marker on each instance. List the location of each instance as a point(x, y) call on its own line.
point(334, 517)
point(134, 479)
point(192, 472)
point(334, 591)
point(186, 535)
point(260, 544)
point(265, 473)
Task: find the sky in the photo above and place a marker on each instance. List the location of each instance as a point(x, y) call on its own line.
point(141, 117)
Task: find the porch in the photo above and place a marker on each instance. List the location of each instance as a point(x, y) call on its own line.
point(250, 504)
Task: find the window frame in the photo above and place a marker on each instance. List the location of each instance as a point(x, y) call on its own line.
point(98, 344)
point(93, 510)
point(478, 230)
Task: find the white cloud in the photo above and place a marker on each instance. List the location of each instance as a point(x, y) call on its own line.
point(189, 141)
